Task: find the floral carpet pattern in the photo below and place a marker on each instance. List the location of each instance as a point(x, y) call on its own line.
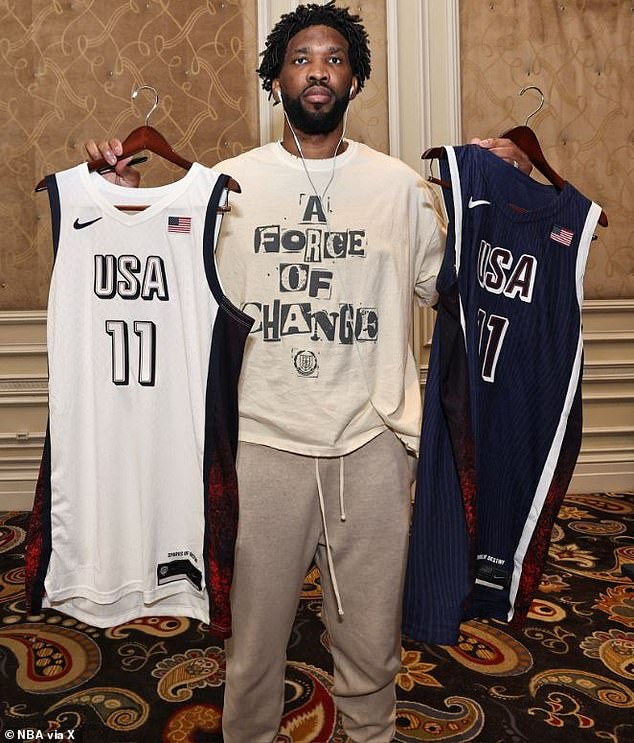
point(566, 675)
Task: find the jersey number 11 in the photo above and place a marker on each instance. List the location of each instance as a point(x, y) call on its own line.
point(145, 332)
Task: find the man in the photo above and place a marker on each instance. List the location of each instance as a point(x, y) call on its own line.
point(326, 248)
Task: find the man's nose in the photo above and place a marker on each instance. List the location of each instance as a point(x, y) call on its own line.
point(318, 73)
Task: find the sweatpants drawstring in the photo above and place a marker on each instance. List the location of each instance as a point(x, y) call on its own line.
point(342, 513)
point(322, 508)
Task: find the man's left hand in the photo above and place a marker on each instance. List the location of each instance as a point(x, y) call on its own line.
point(507, 150)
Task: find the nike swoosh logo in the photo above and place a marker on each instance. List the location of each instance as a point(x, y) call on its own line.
point(477, 202)
point(80, 225)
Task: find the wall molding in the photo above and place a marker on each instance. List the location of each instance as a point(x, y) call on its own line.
point(21, 317)
point(606, 461)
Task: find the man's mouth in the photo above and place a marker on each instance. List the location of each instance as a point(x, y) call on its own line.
point(317, 94)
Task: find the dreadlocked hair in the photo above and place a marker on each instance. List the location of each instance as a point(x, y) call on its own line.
point(312, 14)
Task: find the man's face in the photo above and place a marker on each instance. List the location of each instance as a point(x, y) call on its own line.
point(315, 79)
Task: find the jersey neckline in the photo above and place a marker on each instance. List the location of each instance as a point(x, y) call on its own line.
point(493, 182)
point(106, 195)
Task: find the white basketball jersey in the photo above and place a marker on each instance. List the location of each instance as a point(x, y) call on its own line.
point(144, 351)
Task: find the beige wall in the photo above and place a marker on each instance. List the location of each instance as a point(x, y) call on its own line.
point(67, 72)
point(580, 55)
point(68, 69)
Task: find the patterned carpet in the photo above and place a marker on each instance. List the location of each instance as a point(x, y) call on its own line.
point(567, 675)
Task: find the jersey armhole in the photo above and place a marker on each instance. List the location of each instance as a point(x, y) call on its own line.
point(56, 219)
point(210, 235)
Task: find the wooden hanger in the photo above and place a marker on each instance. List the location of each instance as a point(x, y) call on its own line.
point(526, 139)
point(146, 137)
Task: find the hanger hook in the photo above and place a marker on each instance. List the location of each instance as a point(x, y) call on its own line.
point(136, 91)
point(541, 103)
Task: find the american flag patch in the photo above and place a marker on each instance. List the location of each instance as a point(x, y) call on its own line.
point(562, 235)
point(179, 224)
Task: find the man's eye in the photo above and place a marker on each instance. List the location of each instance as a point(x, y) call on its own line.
point(300, 60)
point(335, 60)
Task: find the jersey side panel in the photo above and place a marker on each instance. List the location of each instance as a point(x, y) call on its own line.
point(39, 533)
point(230, 334)
point(532, 551)
point(533, 545)
point(438, 576)
point(221, 484)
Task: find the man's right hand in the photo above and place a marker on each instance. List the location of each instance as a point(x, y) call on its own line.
point(122, 175)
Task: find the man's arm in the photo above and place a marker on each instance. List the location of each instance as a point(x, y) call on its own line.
point(126, 176)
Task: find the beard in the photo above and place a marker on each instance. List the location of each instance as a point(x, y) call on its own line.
point(315, 122)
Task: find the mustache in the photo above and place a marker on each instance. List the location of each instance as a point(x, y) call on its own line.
point(312, 86)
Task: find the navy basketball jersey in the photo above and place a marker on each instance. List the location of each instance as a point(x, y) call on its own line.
point(135, 511)
point(502, 412)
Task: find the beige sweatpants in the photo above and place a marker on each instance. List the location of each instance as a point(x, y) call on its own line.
point(281, 530)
